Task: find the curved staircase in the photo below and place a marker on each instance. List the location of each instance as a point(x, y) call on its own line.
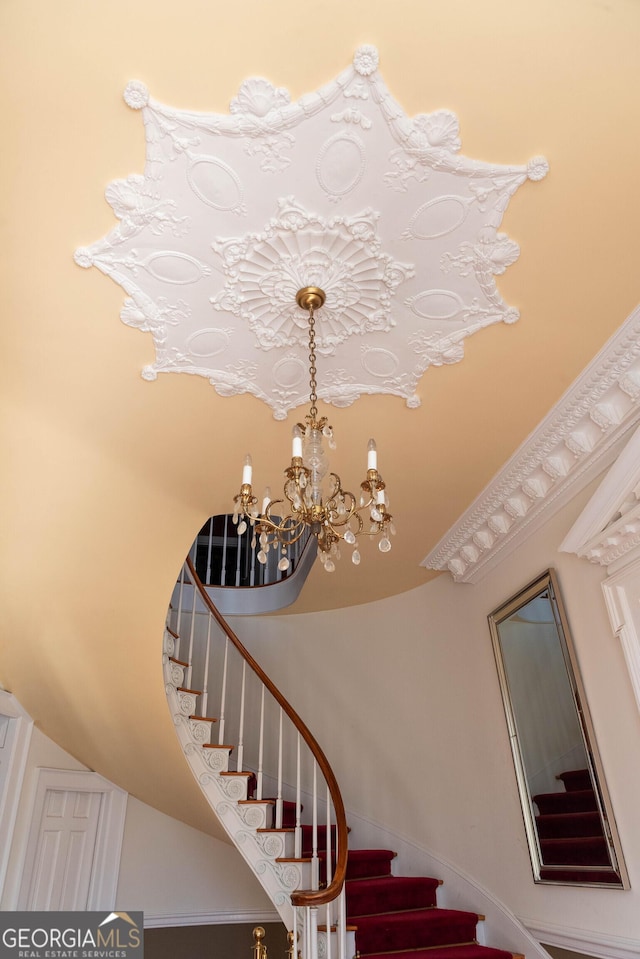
point(272, 789)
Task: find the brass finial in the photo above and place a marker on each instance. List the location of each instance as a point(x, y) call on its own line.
point(259, 948)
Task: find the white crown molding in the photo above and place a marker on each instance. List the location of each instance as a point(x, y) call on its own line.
point(579, 940)
point(236, 212)
point(577, 439)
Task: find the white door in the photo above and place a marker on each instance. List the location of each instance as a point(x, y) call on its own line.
point(63, 847)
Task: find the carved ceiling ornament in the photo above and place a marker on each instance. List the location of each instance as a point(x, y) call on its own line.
point(340, 190)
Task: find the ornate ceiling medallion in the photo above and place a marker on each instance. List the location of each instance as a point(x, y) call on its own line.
point(340, 190)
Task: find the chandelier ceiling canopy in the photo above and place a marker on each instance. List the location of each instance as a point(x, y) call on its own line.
point(342, 191)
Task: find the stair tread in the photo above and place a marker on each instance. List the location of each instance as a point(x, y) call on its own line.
point(204, 719)
point(471, 950)
point(256, 802)
point(290, 829)
point(178, 662)
point(247, 775)
point(218, 746)
point(388, 894)
point(427, 914)
point(416, 929)
point(194, 692)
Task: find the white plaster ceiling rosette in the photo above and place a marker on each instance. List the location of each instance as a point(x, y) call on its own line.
point(235, 213)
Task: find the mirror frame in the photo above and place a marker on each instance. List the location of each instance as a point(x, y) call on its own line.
point(548, 583)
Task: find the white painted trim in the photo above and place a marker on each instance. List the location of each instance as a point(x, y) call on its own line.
point(616, 487)
point(621, 617)
point(10, 798)
point(106, 866)
point(167, 920)
point(580, 940)
point(577, 439)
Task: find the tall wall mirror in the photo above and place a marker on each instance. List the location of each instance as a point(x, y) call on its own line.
point(567, 811)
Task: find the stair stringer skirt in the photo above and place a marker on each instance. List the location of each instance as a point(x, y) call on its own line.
point(241, 823)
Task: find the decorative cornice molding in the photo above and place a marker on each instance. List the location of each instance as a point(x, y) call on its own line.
point(566, 450)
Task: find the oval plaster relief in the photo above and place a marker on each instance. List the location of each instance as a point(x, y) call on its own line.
point(379, 362)
point(215, 183)
point(208, 342)
point(436, 305)
point(175, 268)
point(341, 164)
point(289, 372)
point(438, 217)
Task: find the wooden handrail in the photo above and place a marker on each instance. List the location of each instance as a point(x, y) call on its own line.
point(303, 897)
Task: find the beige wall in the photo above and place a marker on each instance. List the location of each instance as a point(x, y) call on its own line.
point(403, 695)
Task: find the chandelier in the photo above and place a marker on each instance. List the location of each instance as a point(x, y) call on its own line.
point(314, 502)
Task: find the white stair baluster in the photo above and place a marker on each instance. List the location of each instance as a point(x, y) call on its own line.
point(178, 623)
point(315, 872)
point(279, 796)
point(223, 694)
point(313, 922)
point(329, 856)
point(298, 828)
point(209, 552)
point(205, 684)
point(223, 569)
point(260, 747)
point(342, 925)
point(238, 557)
point(192, 631)
point(241, 730)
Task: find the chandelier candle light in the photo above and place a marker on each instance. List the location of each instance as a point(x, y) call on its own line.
point(339, 517)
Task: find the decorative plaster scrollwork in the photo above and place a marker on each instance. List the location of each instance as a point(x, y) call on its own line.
point(201, 732)
point(169, 644)
point(253, 816)
point(176, 674)
point(271, 845)
point(234, 788)
point(299, 248)
point(216, 759)
point(187, 703)
point(420, 266)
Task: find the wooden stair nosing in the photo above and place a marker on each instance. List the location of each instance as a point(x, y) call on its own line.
point(273, 829)
point(294, 859)
point(178, 662)
point(258, 802)
point(233, 773)
point(217, 746)
point(172, 632)
point(204, 719)
point(194, 692)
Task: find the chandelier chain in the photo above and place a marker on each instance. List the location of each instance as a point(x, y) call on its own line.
point(313, 396)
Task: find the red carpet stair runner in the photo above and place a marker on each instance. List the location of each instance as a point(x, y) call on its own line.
point(570, 830)
point(398, 917)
